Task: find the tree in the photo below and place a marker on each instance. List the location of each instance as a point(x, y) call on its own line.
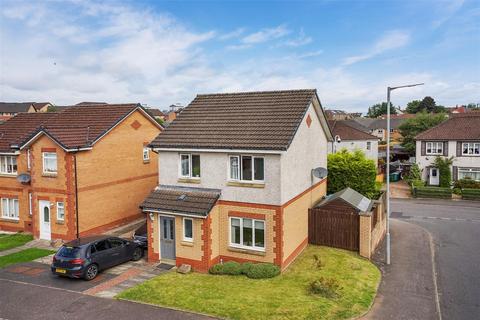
point(412, 127)
point(51, 108)
point(379, 109)
point(412, 106)
point(443, 165)
point(351, 169)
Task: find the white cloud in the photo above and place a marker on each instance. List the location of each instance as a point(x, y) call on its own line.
point(266, 34)
point(233, 34)
point(390, 40)
point(301, 40)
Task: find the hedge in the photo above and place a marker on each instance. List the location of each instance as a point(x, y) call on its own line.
point(471, 194)
point(432, 192)
point(251, 270)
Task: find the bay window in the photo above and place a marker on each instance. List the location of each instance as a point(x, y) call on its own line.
point(434, 148)
point(247, 233)
point(49, 162)
point(471, 148)
point(247, 168)
point(190, 166)
point(8, 164)
point(9, 208)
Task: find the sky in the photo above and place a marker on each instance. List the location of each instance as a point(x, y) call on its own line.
point(162, 52)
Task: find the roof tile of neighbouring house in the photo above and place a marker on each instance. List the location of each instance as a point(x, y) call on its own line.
point(248, 120)
point(77, 126)
point(462, 126)
point(15, 107)
point(181, 200)
point(347, 132)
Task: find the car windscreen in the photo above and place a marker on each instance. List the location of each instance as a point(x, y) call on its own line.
point(69, 252)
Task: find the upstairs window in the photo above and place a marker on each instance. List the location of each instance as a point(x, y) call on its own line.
point(9, 208)
point(8, 164)
point(247, 168)
point(471, 149)
point(369, 145)
point(434, 148)
point(49, 162)
point(190, 166)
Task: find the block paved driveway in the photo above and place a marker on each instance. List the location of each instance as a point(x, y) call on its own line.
point(455, 228)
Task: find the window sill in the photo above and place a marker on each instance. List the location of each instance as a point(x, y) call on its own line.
point(8, 175)
point(247, 251)
point(49, 175)
point(245, 184)
point(60, 222)
point(11, 220)
point(434, 154)
point(470, 155)
point(186, 243)
point(189, 180)
point(146, 161)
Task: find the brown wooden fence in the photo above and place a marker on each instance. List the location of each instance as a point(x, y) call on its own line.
point(334, 229)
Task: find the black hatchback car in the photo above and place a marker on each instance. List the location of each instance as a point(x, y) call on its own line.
point(85, 257)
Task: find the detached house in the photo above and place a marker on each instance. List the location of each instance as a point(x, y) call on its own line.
point(459, 136)
point(236, 179)
point(82, 170)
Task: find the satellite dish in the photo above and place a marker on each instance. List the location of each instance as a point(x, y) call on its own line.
point(24, 178)
point(320, 172)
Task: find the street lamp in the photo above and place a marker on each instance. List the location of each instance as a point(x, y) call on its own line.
point(389, 89)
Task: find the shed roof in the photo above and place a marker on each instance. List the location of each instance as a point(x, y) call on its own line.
point(351, 197)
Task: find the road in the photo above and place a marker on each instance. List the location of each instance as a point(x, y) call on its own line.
point(455, 228)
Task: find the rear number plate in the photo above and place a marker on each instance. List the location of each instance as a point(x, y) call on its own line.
point(60, 270)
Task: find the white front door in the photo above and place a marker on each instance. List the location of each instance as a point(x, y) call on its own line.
point(45, 218)
point(434, 177)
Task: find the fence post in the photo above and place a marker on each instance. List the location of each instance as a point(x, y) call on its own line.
point(365, 235)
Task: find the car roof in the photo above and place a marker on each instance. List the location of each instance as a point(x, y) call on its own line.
point(86, 240)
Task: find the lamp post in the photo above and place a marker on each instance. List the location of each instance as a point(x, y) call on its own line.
point(389, 89)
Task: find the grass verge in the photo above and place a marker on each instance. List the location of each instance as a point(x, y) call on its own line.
point(9, 241)
point(284, 297)
point(23, 256)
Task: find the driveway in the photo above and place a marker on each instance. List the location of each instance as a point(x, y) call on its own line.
point(455, 228)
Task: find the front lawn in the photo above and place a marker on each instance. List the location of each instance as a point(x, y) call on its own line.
point(9, 241)
point(24, 256)
point(284, 297)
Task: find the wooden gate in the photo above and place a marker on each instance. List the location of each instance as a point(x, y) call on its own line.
point(334, 228)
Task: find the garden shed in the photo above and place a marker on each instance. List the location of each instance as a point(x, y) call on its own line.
point(348, 220)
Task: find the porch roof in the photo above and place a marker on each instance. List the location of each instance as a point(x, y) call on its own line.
point(178, 200)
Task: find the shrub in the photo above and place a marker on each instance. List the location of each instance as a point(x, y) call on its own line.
point(231, 268)
point(414, 174)
point(471, 194)
point(467, 183)
point(245, 267)
point(325, 287)
point(433, 192)
point(443, 165)
point(354, 170)
point(262, 271)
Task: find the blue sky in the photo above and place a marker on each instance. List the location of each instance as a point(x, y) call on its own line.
point(164, 52)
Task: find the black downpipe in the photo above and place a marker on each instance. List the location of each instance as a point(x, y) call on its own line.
point(76, 194)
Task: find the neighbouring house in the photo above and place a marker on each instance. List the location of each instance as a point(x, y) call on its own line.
point(156, 113)
point(10, 109)
point(350, 138)
point(378, 127)
point(86, 164)
point(236, 179)
point(42, 106)
point(457, 137)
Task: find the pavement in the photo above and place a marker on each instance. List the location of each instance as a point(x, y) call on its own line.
point(400, 190)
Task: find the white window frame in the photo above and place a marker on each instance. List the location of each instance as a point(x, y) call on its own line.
point(241, 246)
point(434, 148)
point(240, 171)
point(11, 204)
point(46, 155)
point(146, 154)
point(185, 238)
point(369, 145)
point(190, 166)
point(6, 162)
point(474, 145)
point(466, 170)
point(62, 205)
point(30, 202)
point(29, 160)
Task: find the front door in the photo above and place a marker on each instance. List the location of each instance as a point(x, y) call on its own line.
point(45, 217)
point(434, 177)
point(167, 238)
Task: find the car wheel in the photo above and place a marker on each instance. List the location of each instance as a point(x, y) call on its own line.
point(137, 254)
point(91, 272)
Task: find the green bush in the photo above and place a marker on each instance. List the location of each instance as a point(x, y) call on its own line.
point(471, 194)
point(325, 287)
point(354, 170)
point(262, 271)
point(414, 174)
point(245, 267)
point(231, 268)
point(467, 183)
point(443, 165)
point(432, 192)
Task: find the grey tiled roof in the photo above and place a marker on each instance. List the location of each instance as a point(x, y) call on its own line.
point(248, 120)
point(181, 200)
